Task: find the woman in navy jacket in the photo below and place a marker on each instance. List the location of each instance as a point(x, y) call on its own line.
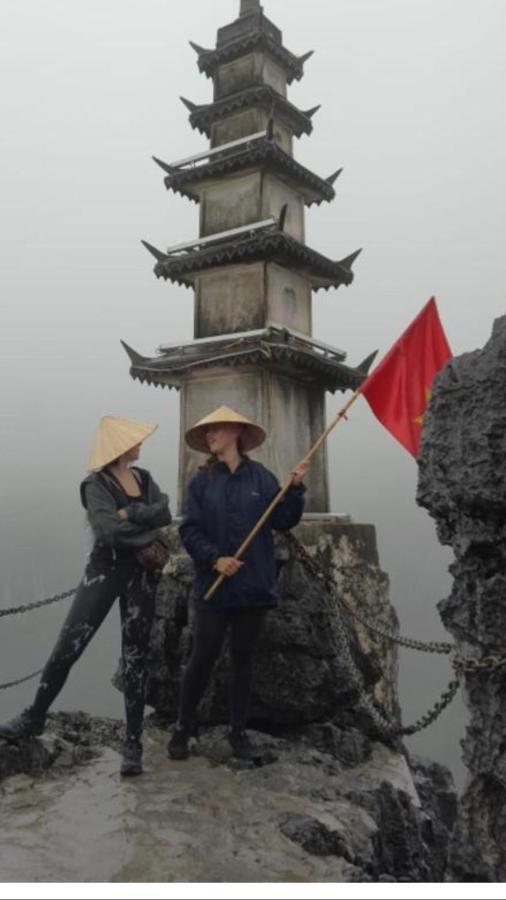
point(223, 502)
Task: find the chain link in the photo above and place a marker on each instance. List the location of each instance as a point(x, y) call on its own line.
point(384, 726)
point(37, 605)
point(3, 687)
point(461, 665)
point(488, 663)
point(430, 717)
point(327, 579)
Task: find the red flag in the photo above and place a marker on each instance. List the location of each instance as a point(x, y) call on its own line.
point(400, 387)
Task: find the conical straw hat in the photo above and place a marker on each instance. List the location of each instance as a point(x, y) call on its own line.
point(253, 435)
point(116, 436)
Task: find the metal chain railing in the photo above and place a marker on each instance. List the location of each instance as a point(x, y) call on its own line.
point(410, 643)
point(461, 665)
point(37, 605)
point(433, 714)
point(9, 684)
point(383, 724)
point(28, 608)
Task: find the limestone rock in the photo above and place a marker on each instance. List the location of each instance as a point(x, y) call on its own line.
point(311, 665)
point(463, 485)
point(295, 814)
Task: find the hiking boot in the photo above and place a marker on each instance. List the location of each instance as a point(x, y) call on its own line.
point(242, 748)
point(178, 746)
point(131, 762)
point(26, 725)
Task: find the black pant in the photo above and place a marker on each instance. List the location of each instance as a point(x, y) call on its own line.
point(209, 628)
point(103, 582)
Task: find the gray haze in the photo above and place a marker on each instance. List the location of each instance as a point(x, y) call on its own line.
point(412, 107)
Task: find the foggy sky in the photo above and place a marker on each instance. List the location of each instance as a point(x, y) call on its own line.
point(412, 106)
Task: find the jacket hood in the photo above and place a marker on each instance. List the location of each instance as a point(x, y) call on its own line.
point(91, 479)
point(94, 478)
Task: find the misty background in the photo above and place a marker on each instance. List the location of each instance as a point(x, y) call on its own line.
point(412, 95)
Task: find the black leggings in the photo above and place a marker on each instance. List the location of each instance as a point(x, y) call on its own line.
point(209, 628)
point(101, 585)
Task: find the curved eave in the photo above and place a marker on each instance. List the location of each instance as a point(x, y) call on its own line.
point(271, 157)
point(203, 117)
point(332, 377)
point(272, 247)
point(209, 60)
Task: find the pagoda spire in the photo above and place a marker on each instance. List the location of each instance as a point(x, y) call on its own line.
point(250, 6)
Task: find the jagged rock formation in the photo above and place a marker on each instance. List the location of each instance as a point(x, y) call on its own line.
point(463, 485)
point(311, 665)
point(331, 795)
point(347, 810)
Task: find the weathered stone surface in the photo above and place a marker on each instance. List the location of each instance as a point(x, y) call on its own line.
point(463, 485)
point(436, 790)
point(70, 740)
point(310, 666)
point(296, 815)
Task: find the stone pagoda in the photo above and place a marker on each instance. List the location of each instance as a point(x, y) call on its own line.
point(251, 271)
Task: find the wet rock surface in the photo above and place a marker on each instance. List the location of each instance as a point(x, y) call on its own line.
point(463, 486)
point(294, 814)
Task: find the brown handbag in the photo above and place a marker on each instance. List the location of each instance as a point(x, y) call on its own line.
point(155, 556)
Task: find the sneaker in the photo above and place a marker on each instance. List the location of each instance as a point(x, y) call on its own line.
point(178, 746)
point(25, 725)
point(131, 763)
point(242, 748)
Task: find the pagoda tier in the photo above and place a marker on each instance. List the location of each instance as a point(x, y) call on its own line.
point(271, 247)
point(262, 155)
point(276, 349)
point(253, 99)
point(260, 41)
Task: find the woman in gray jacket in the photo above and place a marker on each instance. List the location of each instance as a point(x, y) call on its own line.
point(125, 510)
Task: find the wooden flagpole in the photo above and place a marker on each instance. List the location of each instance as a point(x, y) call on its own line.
point(279, 496)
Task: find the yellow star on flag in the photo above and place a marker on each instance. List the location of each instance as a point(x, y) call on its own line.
point(421, 418)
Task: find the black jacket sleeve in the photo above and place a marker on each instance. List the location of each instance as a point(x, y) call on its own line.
point(195, 540)
point(288, 513)
point(103, 518)
point(155, 514)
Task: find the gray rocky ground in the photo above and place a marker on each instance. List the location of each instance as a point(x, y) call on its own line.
point(331, 795)
point(351, 811)
point(463, 485)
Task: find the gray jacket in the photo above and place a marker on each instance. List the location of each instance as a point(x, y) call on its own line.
point(102, 498)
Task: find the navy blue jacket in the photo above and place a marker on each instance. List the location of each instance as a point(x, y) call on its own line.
point(220, 509)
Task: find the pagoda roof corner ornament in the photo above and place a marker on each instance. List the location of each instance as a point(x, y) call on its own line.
point(311, 112)
point(200, 51)
point(159, 256)
point(348, 262)
point(250, 6)
point(135, 358)
point(365, 366)
point(330, 180)
point(303, 59)
point(189, 105)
